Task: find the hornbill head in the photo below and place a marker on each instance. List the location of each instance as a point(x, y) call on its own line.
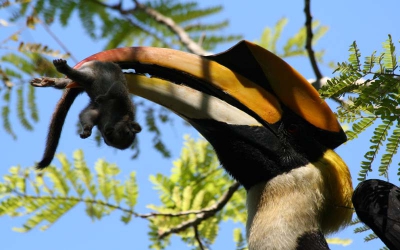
point(269, 127)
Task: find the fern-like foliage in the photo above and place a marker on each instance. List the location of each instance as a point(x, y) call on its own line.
point(18, 65)
point(45, 197)
point(115, 25)
point(128, 26)
point(240, 239)
point(189, 195)
point(195, 184)
point(370, 90)
point(295, 45)
point(372, 86)
point(16, 70)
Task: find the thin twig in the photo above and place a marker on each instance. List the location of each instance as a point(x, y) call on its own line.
point(191, 45)
point(5, 79)
point(308, 46)
point(18, 32)
point(197, 237)
point(203, 216)
point(62, 45)
point(148, 32)
point(183, 213)
point(81, 200)
point(128, 13)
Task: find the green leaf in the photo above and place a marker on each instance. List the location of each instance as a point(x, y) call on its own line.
point(196, 182)
point(295, 45)
point(269, 37)
point(32, 104)
point(131, 191)
point(391, 150)
point(21, 111)
point(359, 127)
point(370, 237)
point(389, 57)
point(240, 239)
point(187, 196)
point(84, 173)
point(5, 113)
point(103, 178)
point(361, 229)
point(198, 200)
point(59, 181)
point(355, 56)
point(45, 204)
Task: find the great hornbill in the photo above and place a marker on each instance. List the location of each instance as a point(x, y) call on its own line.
point(269, 128)
point(377, 204)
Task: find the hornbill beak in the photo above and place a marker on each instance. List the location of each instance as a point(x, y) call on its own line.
point(269, 127)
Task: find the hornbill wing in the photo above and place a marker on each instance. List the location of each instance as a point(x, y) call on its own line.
point(377, 204)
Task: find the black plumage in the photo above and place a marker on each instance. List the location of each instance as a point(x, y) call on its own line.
point(377, 204)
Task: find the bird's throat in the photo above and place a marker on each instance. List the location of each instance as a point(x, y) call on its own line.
point(283, 209)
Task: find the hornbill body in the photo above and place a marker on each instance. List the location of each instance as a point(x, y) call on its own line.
point(269, 128)
point(377, 204)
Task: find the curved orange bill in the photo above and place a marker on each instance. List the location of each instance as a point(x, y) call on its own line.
point(246, 76)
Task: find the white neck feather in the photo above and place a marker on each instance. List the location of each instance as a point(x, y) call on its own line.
point(282, 209)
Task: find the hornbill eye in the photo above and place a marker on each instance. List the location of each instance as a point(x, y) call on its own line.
point(293, 129)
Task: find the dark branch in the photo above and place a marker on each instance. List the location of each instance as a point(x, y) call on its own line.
point(183, 213)
point(197, 237)
point(308, 46)
point(207, 213)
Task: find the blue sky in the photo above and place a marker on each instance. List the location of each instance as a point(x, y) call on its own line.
point(368, 22)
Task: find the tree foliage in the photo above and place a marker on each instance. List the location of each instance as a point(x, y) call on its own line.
point(122, 24)
point(119, 25)
point(192, 198)
point(45, 197)
point(369, 89)
point(191, 206)
point(294, 46)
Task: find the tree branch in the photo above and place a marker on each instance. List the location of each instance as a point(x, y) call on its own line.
point(197, 237)
point(148, 32)
point(183, 213)
point(125, 13)
point(184, 38)
point(308, 47)
point(207, 213)
point(62, 45)
point(191, 45)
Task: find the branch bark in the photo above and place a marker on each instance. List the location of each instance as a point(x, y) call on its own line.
point(308, 47)
point(191, 45)
point(197, 237)
point(207, 213)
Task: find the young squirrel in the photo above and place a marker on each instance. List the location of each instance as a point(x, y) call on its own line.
point(110, 107)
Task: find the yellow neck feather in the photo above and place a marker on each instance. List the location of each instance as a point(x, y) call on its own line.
point(338, 191)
